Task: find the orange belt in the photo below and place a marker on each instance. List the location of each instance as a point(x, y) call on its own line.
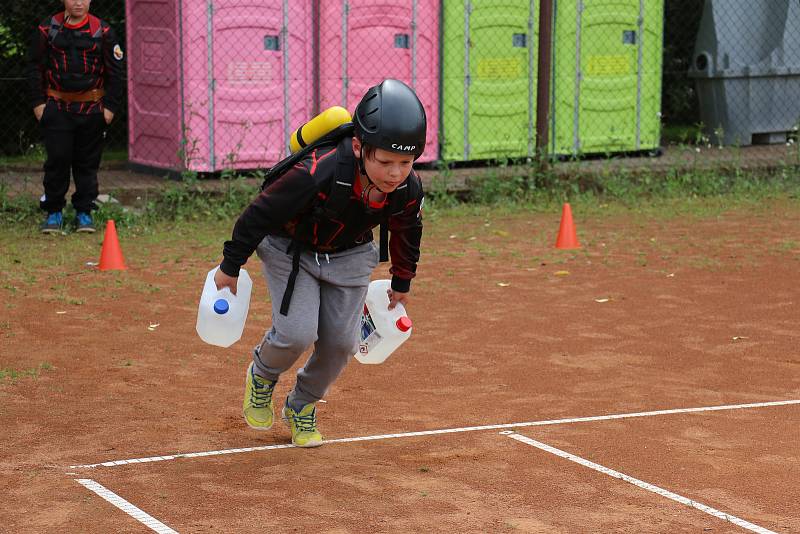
point(93, 95)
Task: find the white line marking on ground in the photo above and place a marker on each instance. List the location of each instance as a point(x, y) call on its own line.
point(644, 485)
point(125, 506)
point(115, 463)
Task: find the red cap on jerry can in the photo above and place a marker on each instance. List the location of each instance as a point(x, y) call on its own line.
point(403, 324)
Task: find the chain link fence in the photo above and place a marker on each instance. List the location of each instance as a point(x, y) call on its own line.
point(214, 85)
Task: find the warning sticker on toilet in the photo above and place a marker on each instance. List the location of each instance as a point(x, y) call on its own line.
point(500, 68)
point(246, 73)
point(608, 65)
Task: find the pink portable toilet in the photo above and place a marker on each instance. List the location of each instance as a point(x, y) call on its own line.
point(363, 42)
point(217, 86)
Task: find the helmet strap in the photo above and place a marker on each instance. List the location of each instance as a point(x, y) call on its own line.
point(361, 168)
point(366, 192)
point(370, 187)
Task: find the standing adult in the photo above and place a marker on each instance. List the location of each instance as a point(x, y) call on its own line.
point(76, 79)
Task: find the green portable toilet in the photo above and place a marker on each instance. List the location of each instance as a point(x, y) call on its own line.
point(607, 57)
point(488, 79)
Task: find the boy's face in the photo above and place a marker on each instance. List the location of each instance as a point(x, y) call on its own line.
point(387, 170)
point(76, 9)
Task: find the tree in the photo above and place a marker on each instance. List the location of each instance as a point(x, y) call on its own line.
point(18, 21)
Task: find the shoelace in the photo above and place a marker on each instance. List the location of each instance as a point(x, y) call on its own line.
point(306, 423)
point(261, 392)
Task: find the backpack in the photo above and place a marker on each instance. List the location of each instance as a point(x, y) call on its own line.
point(334, 204)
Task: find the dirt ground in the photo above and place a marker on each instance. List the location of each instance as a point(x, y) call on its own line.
point(651, 314)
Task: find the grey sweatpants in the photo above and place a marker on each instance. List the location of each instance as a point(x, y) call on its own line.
point(325, 311)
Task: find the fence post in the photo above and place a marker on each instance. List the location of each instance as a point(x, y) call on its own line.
point(543, 81)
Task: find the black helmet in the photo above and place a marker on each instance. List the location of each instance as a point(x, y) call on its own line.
point(391, 117)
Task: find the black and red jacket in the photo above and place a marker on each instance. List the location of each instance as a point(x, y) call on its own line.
point(75, 58)
point(286, 207)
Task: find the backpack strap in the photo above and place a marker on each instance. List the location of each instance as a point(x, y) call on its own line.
point(342, 186)
point(95, 27)
point(57, 24)
point(333, 204)
point(398, 199)
point(383, 250)
point(295, 249)
point(397, 203)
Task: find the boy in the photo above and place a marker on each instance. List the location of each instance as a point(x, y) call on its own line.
point(76, 76)
point(318, 264)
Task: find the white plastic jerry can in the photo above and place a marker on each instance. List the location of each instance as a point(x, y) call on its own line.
point(382, 329)
point(221, 314)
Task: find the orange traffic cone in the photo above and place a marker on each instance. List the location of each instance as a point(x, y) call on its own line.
point(111, 256)
point(567, 238)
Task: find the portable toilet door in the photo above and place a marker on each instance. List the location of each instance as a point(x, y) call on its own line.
point(262, 87)
point(184, 118)
point(363, 42)
point(607, 76)
point(489, 79)
point(154, 83)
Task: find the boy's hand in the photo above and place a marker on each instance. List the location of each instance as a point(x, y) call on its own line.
point(396, 297)
point(223, 280)
point(38, 111)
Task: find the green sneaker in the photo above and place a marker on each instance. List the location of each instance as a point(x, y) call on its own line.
point(257, 405)
point(303, 425)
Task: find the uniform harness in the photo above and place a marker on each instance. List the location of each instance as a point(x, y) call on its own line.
point(331, 205)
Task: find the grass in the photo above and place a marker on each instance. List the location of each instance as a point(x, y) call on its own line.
point(187, 225)
point(187, 201)
point(681, 134)
point(13, 375)
point(35, 156)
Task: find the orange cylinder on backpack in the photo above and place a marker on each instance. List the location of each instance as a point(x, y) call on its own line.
point(320, 125)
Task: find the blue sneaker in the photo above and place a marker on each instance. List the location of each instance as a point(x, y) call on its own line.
point(84, 223)
point(53, 223)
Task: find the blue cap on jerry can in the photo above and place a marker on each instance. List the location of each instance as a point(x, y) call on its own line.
point(221, 306)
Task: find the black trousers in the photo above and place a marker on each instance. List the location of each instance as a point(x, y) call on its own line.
point(74, 144)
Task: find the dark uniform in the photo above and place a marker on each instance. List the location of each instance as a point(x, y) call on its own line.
point(77, 71)
point(283, 206)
